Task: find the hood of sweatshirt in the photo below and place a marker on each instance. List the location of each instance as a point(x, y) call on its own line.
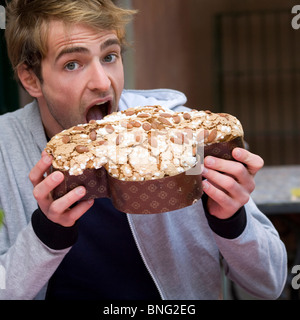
point(167, 98)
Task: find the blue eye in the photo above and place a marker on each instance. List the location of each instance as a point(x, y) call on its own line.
point(71, 66)
point(110, 58)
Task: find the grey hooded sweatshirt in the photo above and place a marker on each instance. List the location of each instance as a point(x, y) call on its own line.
point(180, 249)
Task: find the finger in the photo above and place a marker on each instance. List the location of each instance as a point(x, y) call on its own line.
point(253, 162)
point(64, 203)
point(228, 185)
point(232, 168)
point(221, 204)
point(69, 217)
point(44, 153)
point(36, 175)
point(45, 187)
point(60, 211)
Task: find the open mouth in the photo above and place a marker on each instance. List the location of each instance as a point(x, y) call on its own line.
point(99, 111)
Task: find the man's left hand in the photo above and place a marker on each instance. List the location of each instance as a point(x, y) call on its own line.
point(230, 183)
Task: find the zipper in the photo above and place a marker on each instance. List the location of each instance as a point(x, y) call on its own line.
point(143, 258)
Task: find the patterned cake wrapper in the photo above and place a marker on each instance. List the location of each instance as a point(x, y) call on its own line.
point(156, 196)
point(136, 197)
point(95, 182)
point(151, 196)
point(224, 149)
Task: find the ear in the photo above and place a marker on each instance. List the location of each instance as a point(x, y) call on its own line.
point(30, 81)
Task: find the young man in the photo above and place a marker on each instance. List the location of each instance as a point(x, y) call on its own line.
point(68, 56)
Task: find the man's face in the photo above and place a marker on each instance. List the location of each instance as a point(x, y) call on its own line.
point(83, 76)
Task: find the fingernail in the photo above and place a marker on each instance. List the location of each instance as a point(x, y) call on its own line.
point(80, 191)
point(205, 185)
point(56, 176)
point(210, 161)
point(237, 153)
point(204, 172)
point(47, 160)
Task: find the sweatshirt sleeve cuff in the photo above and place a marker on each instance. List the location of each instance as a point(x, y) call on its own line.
point(230, 228)
point(53, 235)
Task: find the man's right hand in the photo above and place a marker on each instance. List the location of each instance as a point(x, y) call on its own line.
point(58, 211)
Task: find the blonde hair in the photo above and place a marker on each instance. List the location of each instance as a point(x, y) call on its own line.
point(28, 21)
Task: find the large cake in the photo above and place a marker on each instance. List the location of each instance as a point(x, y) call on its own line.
point(143, 144)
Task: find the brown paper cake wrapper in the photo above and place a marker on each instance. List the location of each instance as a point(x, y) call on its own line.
point(146, 197)
point(224, 149)
point(136, 197)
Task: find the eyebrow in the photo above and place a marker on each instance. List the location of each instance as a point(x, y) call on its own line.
point(71, 50)
point(104, 45)
point(110, 42)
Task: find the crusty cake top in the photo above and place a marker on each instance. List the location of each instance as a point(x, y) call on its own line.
point(141, 143)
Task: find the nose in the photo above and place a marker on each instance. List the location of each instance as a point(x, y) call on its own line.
point(98, 78)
